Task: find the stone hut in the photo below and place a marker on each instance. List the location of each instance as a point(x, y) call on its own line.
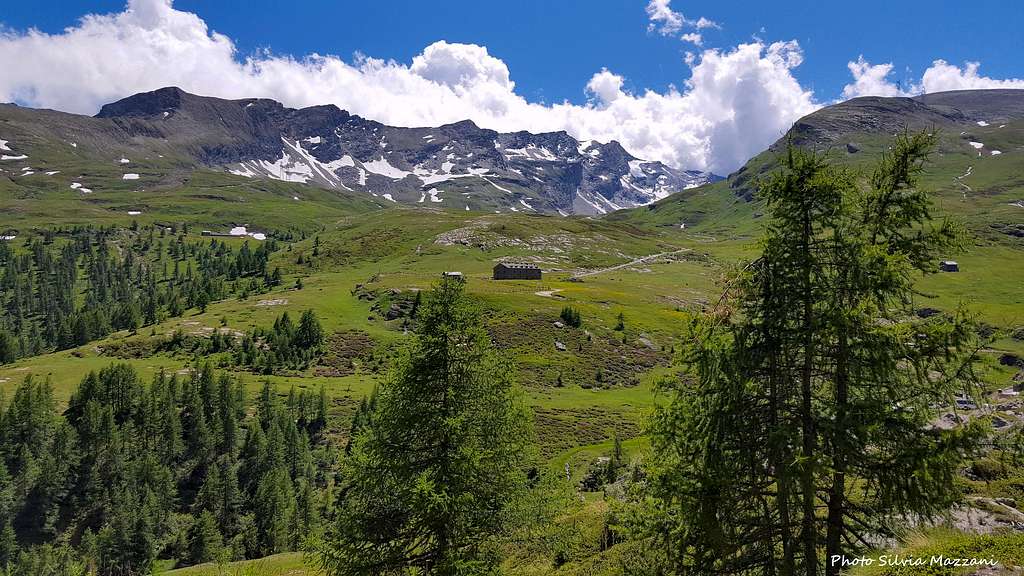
point(516, 271)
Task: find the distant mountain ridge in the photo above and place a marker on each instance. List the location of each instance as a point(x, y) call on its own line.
point(453, 166)
point(975, 170)
point(887, 115)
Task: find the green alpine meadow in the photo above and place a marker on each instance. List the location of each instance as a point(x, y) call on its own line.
point(268, 315)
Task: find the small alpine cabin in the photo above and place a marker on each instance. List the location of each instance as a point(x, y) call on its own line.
point(516, 271)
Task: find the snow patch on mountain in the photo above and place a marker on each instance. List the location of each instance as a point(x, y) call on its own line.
point(384, 168)
point(597, 208)
point(636, 168)
point(531, 152)
point(501, 188)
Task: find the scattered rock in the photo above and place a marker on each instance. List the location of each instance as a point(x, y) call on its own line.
point(394, 312)
point(1011, 360)
point(362, 293)
point(559, 346)
point(559, 324)
point(272, 302)
point(985, 330)
point(948, 421)
point(1015, 230)
point(852, 148)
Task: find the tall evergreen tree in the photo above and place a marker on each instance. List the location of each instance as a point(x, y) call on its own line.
point(206, 543)
point(427, 484)
point(309, 334)
point(825, 380)
point(275, 510)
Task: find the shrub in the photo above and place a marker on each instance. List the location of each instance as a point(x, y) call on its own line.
point(571, 316)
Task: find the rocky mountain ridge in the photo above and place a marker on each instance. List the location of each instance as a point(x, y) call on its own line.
point(451, 166)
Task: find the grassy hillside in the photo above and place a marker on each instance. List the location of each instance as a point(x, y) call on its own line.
point(289, 564)
point(598, 385)
point(605, 374)
point(360, 264)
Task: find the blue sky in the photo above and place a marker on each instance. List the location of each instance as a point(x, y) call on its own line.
point(553, 47)
point(695, 84)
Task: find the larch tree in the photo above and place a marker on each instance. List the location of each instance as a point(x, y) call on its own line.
point(803, 429)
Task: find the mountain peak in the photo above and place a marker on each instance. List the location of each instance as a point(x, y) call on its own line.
point(462, 125)
point(146, 103)
point(614, 147)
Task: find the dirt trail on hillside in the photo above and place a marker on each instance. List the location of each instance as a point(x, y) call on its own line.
point(628, 264)
point(960, 180)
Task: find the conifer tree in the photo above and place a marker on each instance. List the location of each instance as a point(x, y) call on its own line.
point(309, 334)
point(320, 421)
point(427, 485)
point(275, 510)
point(8, 548)
point(824, 380)
point(206, 542)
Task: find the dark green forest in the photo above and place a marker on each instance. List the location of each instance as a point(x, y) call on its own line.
point(176, 468)
point(75, 285)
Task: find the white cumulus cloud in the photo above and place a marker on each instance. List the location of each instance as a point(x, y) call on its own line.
point(460, 65)
point(703, 22)
point(663, 18)
point(695, 38)
point(666, 21)
point(874, 79)
point(870, 80)
point(736, 102)
point(942, 76)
